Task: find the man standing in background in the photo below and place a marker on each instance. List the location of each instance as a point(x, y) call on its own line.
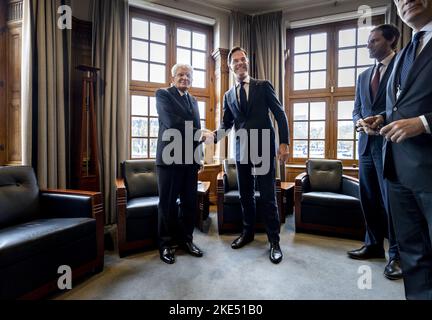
point(371, 100)
point(408, 148)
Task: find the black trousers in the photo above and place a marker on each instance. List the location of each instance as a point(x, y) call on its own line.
point(412, 217)
point(176, 182)
point(267, 189)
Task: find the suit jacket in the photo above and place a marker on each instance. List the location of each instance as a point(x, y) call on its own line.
point(173, 113)
point(365, 106)
point(411, 160)
point(262, 99)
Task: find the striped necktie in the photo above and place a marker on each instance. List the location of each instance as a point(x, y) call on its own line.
point(410, 56)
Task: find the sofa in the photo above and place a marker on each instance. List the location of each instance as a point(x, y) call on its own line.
point(41, 231)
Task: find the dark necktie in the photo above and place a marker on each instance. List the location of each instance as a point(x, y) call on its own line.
point(410, 57)
point(376, 81)
point(187, 102)
point(243, 98)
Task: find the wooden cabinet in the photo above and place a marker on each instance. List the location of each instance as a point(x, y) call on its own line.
point(10, 82)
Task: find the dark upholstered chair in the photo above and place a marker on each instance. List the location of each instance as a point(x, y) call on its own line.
point(137, 206)
point(230, 217)
point(328, 202)
point(41, 231)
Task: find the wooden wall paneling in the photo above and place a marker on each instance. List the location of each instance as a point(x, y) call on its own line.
point(221, 86)
point(81, 55)
point(13, 83)
point(3, 75)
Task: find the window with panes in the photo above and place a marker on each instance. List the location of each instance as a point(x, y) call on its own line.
point(322, 69)
point(157, 43)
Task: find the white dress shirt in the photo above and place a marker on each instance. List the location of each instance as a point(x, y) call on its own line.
point(245, 86)
point(385, 62)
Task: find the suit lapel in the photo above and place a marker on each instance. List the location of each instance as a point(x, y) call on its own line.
point(391, 86)
point(252, 92)
point(383, 83)
point(233, 98)
point(367, 85)
point(423, 58)
point(196, 114)
point(179, 99)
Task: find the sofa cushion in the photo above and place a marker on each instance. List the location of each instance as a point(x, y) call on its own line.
point(329, 199)
point(234, 196)
point(19, 194)
point(142, 207)
point(325, 175)
point(20, 241)
point(140, 178)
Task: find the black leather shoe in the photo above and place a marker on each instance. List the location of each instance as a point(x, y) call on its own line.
point(275, 253)
point(167, 255)
point(393, 270)
point(241, 241)
point(192, 249)
point(365, 253)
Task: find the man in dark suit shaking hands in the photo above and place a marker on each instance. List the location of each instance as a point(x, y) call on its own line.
point(408, 148)
point(177, 171)
point(371, 100)
point(246, 107)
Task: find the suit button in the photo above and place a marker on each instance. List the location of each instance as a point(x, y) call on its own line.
point(395, 109)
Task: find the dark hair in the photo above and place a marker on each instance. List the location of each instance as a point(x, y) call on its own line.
point(389, 32)
point(235, 49)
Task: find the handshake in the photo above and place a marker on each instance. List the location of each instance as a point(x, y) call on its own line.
point(207, 137)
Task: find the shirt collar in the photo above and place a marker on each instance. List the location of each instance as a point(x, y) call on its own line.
point(247, 81)
point(427, 28)
point(386, 61)
point(182, 93)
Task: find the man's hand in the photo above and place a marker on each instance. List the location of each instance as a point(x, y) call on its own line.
point(370, 125)
point(283, 152)
point(401, 130)
point(207, 136)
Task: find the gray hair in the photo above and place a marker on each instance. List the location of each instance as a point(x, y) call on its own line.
point(181, 65)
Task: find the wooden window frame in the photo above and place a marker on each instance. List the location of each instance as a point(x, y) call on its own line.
point(149, 89)
point(331, 93)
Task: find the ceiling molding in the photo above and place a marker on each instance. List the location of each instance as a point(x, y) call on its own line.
point(334, 18)
point(172, 12)
point(213, 6)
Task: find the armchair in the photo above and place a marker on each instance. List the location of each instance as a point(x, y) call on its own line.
point(137, 206)
point(326, 201)
point(41, 230)
point(229, 213)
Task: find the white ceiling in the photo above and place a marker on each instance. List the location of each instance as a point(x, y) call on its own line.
point(261, 6)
